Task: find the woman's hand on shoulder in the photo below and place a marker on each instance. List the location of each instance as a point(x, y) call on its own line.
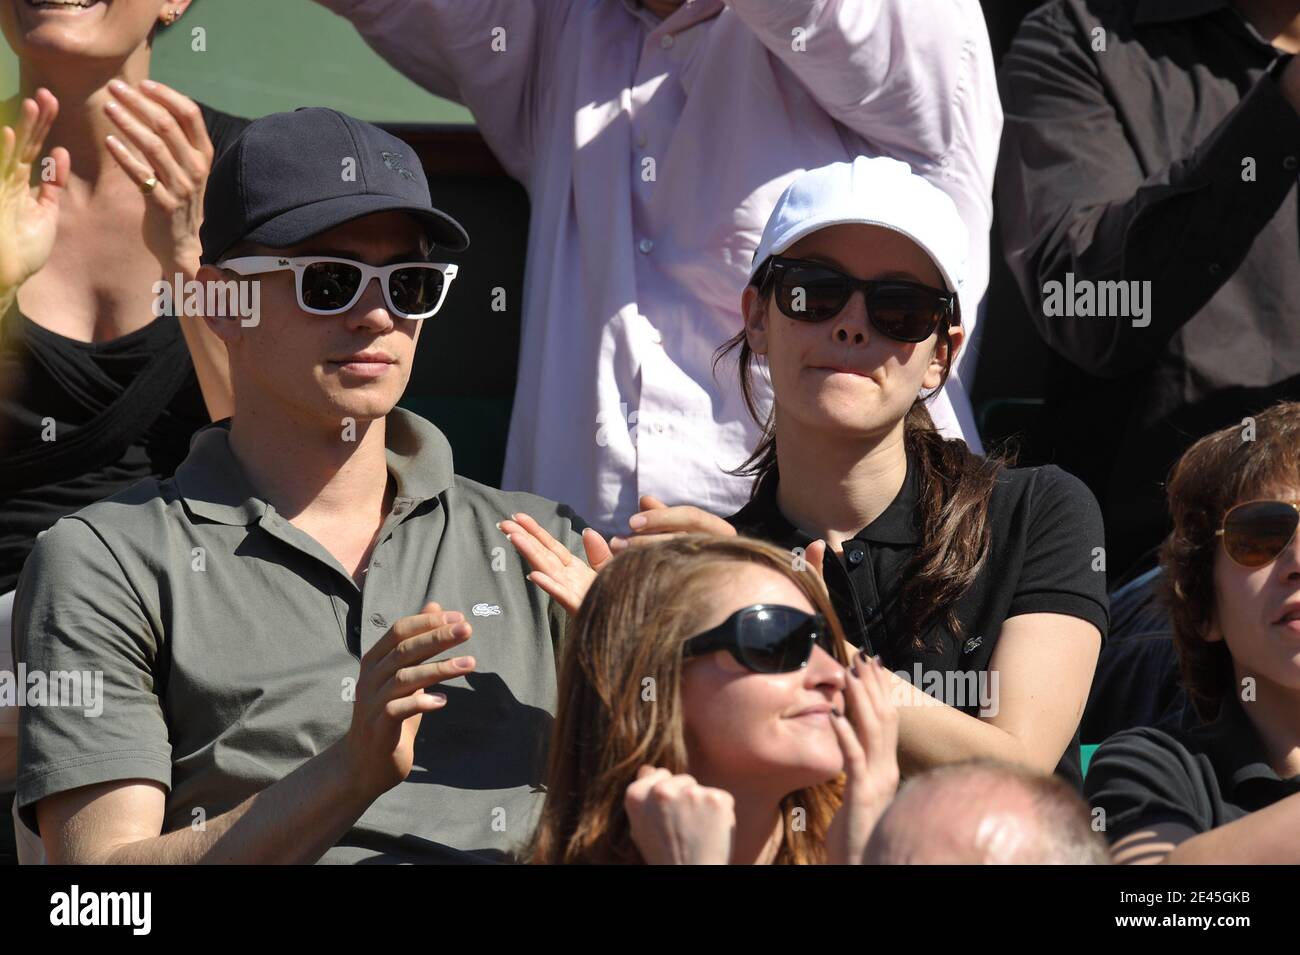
point(656, 521)
point(555, 569)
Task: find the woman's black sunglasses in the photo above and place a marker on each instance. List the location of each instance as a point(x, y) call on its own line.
point(766, 638)
point(809, 291)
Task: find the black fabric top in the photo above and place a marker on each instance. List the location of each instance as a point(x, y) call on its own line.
point(1045, 526)
point(55, 386)
point(1129, 164)
point(1188, 781)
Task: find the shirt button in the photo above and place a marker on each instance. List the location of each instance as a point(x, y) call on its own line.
point(1290, 163)
point(854, 555)
point(377, 619)
point(666, 41)
point(376, 563)
point(640, 141)
point(868, 612)
point(646, 246)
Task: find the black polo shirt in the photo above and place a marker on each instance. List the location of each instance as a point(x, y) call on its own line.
point(1046, 527)
point(1188, 781)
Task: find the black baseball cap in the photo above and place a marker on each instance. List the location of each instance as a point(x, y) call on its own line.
point(290, 176)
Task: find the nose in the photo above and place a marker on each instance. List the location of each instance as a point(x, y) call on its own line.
point(1288, 562)
point(850, 326)
point(371, 310)
point(824, 673)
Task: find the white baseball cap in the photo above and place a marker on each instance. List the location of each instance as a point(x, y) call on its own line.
point(870, 191)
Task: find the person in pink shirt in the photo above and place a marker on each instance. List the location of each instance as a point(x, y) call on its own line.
point(653, 139)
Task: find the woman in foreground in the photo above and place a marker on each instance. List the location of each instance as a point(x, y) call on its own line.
point(710, 713)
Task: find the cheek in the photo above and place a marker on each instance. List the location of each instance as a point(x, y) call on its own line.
point(725, 710)
point(1237, 595)
point(736, 719)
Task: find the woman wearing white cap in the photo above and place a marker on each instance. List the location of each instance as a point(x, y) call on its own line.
point(981, 586)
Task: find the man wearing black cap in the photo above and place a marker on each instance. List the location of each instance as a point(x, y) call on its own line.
point(227, 607)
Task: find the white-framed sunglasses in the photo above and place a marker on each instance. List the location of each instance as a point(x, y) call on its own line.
point(329, 286)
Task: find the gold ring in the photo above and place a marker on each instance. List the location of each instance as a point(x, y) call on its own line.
point(149, 185)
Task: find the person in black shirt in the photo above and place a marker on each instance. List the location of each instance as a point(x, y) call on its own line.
point(95, 392)
point(1154, 144)
point(980, 586)
point(1225, 789)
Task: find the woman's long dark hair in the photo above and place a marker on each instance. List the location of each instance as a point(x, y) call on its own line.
point(954, 486)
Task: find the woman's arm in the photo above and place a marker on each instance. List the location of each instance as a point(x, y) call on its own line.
point(1036, 684)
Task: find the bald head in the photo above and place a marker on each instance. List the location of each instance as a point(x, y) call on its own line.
point(986, 813)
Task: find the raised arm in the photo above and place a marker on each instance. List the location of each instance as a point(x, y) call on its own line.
point(914, 78)
point(1075, 198)
point(489, 55)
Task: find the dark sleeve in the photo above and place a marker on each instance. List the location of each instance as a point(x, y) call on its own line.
point(1145, 779)
point(1064, 569)
point(1072, 196)
point(79, 623)
point(223, 129)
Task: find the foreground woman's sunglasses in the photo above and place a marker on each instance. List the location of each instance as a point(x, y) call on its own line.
point(1255, 532)
point(766, 638)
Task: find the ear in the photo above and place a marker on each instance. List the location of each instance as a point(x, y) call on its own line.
point(752, 307)
point(229, 328)
point(944, 356)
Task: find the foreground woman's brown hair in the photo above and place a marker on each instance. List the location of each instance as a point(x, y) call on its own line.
point(620, 696)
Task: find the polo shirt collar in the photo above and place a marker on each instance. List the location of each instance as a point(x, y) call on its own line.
point(215, 487)
point(896, 524)
point(1170, 11)
point(683, 18)
point(1235, 747)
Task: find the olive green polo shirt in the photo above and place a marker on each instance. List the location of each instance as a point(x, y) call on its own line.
point(229, 642)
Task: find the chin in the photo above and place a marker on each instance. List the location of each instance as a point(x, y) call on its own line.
point(362, 407)
point(70, 32)
point(812, 769)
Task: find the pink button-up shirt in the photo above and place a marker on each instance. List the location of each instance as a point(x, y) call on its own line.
point(653, 152)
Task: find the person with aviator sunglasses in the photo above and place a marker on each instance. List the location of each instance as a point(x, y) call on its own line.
point(981, 586)
point(710, 713)
point(1225, 789)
